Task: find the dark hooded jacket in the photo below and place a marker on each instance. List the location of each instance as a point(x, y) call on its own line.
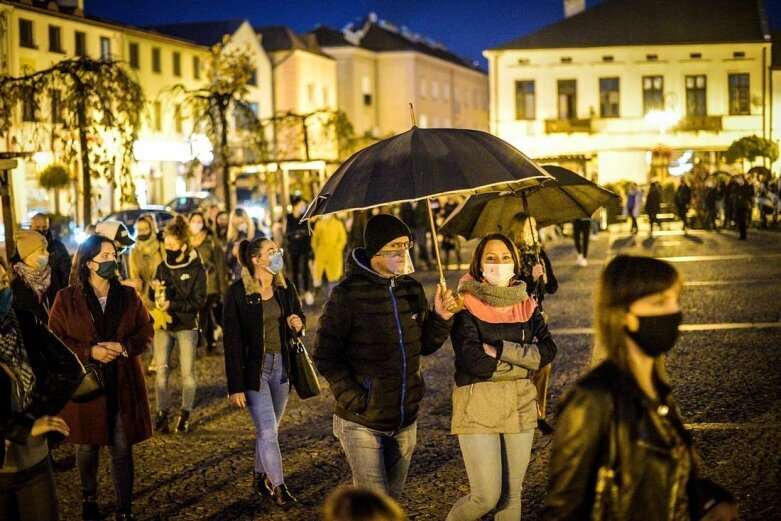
point(185, 289)
point(371, 335)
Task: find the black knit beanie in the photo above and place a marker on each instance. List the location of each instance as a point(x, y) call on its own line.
point(382, 229)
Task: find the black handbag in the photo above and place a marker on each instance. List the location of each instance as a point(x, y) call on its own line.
point(302, 371)
point(92, 385)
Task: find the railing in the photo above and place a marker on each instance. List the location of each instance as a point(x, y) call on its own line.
point(568, 126)
point(693, 123)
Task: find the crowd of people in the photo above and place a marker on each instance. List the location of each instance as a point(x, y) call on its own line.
point(722, 202)
point(213, 274)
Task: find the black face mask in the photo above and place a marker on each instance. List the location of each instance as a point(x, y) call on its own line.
point(656, 334)
point(145, 237)
point(172, 255)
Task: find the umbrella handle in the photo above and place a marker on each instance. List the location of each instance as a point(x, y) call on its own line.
point(436, 244)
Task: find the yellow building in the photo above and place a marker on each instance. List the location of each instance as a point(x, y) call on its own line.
point(36, 35)
point(632, 89)
point(383, 68)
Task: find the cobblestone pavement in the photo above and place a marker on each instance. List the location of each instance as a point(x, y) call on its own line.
point(725, 371)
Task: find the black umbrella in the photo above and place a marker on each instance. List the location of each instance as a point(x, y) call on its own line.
point(567, 197)
point(424, 163)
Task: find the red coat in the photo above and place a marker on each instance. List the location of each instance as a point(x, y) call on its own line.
point(70, 319)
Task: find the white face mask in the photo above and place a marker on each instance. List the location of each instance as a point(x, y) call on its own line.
point(499, 274)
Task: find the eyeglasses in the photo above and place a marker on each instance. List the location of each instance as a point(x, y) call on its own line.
point(396, 249)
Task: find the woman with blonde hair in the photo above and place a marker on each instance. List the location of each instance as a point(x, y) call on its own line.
point(619, 429)
point(179, 289)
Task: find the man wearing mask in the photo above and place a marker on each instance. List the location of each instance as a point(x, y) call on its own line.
point(375, 326)
point(59, 258)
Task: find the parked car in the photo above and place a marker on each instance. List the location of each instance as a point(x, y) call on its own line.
point(162, 214)
point(189, 202)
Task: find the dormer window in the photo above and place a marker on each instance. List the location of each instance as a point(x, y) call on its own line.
point(607, 59)
point(566, 59)
point(651, 57)
point(695, 55)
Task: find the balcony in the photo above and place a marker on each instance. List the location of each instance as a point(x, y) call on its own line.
point(697, 123)
point(567, 126)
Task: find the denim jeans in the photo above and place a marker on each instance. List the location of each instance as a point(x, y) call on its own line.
point(378, 459)
point(266, 408)
point(29, 494)
point(187, 341)
point(495, 465)
point(122, 473)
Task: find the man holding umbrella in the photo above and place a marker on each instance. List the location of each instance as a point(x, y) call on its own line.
point(375, 326)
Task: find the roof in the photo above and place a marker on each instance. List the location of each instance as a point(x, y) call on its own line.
point(75, 13)
point(652, 22)
point(385, 37)
point(203, 33)
point(282, 38)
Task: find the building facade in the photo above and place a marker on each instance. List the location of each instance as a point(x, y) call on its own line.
point(653, 91)
point(383, 68)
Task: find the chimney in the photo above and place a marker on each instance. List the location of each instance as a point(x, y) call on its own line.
point(573, 7)
point(72, 4)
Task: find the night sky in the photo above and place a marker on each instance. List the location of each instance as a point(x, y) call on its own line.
point(466, 27)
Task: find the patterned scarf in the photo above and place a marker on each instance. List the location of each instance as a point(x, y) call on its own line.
point(14, 357)
point(36, 279)
point(496, 304)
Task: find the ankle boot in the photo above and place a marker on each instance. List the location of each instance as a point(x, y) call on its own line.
point(282, 496)
point(183, 421)
point(89, 507)
point(161, 422)
point(261, 484)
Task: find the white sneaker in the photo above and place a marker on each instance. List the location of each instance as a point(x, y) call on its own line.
point(579, 260)
point(309, 299)
point(584, 262)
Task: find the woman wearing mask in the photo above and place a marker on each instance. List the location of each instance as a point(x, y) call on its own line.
point(537, 273)
point(38, 374)
point(213, 259)
point(622, 417)
point(31, 286)
point(241, 227)
point(105, 322)
point(145, 256)
point(499, 340)
point(261, 310)
point(179, 288)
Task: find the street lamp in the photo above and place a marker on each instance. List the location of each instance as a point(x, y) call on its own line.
point(663, 119)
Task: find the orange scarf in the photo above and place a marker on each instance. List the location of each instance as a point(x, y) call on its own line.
point(519, 312)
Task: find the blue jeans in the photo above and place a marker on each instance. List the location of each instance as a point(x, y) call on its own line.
point(378, 459)
point(122, 473)
point(187, 341)
point(495, 465)
point(266, 408)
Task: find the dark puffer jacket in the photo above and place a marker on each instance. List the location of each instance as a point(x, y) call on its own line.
point(185, 289)
point(370, 337)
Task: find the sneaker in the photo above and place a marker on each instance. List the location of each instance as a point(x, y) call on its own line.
point(161, 422)
point(583, 262)
point(309, 299)
point(183, 422)
point(579, 259)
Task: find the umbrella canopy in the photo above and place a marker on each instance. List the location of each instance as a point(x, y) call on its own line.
point(569, 196)
point(423, 163)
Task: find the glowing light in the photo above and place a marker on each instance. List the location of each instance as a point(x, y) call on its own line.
point(664, 119)
point(161, 151)
point(43, 159)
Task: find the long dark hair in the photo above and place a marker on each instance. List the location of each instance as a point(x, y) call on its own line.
point(476, 266)
point(625, 280)
point(80, 272)
point(251, 248)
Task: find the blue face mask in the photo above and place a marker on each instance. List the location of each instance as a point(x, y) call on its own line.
point(6, 299)
point(275, 263)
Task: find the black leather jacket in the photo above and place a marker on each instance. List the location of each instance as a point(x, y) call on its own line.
point(57, 375)
point(646, 468)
